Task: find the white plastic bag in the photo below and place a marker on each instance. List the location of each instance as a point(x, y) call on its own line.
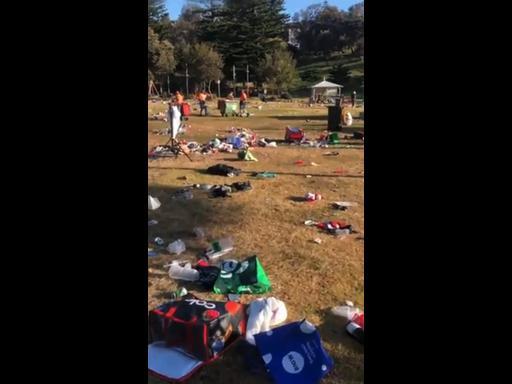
point(153, 203)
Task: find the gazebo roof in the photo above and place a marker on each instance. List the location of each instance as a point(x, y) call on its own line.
point(326, 84)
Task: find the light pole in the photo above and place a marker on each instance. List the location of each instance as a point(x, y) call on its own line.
point(186, 77)
point(218, 88)
point(247, 79)
point(234, 79)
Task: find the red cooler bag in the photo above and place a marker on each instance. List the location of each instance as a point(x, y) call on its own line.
point(186, 334)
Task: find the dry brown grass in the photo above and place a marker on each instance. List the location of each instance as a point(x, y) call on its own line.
point(310, 278)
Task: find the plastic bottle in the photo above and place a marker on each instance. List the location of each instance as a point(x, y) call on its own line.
point(177, 247)
point(346, 311)
point(183, 273)
point(219, 248)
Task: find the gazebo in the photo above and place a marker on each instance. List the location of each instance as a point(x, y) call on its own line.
point(325, 88)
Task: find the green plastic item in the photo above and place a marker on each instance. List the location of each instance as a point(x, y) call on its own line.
point(247, 156)
point(334, 138)
point(247, 276)
point(266, 175)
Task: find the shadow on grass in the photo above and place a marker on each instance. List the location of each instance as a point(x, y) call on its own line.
point(332, 330)
point(203, 172)
point(297, 199)
point(177, 218)
point(302, 117)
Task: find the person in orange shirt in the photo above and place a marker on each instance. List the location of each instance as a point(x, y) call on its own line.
point(243, 100)
point(179, 98)
point(202, 102)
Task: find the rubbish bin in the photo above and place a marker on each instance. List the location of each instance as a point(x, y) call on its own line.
point(227, 107)
point(334, 118)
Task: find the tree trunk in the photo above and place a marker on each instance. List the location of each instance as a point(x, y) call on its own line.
point(209, 86)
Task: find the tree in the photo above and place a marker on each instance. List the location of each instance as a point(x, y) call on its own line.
point(160, 55)
point(204, 63)
point(156, 12)
point(278, 70)
point(166, 62)
point(340, 74)
point(243, 31)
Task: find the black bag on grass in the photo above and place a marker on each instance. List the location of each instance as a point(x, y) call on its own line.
point(208, 276)
point(223, 170)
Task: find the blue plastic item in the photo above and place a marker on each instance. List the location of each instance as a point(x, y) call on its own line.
point(293, 353)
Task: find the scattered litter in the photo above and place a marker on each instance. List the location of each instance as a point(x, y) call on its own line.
point(152, 222)
point(219, 248)
point(152, 253)
point(355, 327)
point(199, 232)
point(247, 276)
point(318, 240)
point(314, 164)
point(310, 222)
point(246, 155)
point(233, 297)
point(183, 194)
point(264, 175)
point(312, 196)
point(335, 227)
point(159, 241)
point(299, 162)
point(264, 314)
point(293, 353)
point(294, 134)
point(220, 191)
point(182, 178)
point(208, 274)
point(331, 154)
point(308, 176)
point(179, 293)
point(153, 203)
point(272, 144)
point(204, 187)
point(176, 271)
point(343, 205)
point(346, 311)
point(241, 186)
point(176, 247)
point(223, 170)
point(349, 303)
point(200, 330)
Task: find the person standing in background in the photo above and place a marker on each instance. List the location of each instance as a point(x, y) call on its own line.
point(353, 97)
point(243, 100)
point(202, 102)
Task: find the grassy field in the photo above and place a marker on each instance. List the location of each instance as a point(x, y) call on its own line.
point(268, 221)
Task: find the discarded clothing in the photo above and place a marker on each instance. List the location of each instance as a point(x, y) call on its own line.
point(223, 170)
point(263, 314)
point(220, 191)
point(242, 186)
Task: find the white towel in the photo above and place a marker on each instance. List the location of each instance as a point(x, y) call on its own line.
point(263, 314)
